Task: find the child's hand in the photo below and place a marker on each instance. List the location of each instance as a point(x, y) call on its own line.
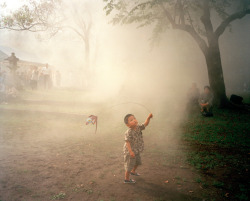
point(132, 154)
point(150, 116)
point(148, 119)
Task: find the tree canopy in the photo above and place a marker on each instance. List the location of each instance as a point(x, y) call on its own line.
point(33, 16)
point(51, 17)
point(204, 20)
point(192, 16)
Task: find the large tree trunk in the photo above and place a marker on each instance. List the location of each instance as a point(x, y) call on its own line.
point(215, 74)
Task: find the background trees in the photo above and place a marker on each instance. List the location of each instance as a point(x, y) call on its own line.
point(196, 18)
point(54, 17)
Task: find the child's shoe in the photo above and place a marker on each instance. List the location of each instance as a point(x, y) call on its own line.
point(131, 181)
point(135, 174)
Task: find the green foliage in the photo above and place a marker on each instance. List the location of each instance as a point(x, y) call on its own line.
point(33, 16)
point(163, 13)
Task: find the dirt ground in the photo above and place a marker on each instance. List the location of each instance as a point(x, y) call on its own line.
point(49, 156)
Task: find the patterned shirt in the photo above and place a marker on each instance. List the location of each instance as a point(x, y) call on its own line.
point(135, 138)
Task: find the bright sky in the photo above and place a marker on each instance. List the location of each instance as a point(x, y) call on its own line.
point(12, 4)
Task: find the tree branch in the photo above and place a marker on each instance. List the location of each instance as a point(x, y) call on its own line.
point(206, 20)
point(187, 28)
point(170, 18)
point(190, 19)
point(139, 5)
point(24, 28)
point(221, 28)
point(181, 12)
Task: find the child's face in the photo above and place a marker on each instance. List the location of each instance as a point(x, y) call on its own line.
point(132, 122)
point(207, 91)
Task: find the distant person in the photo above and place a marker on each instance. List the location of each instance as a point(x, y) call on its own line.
point(34, 78)
point(133, 146)
point(46, 76)
point(193, 96)
point(40, 78)
point(206, 102)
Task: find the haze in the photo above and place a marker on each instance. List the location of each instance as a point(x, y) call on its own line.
point(124, 63)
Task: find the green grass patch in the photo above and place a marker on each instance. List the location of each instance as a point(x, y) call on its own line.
point(59, 196)
point(218, 184)
point(198, 180)
point(219, 148)
point(226, 128)
point(205, 159)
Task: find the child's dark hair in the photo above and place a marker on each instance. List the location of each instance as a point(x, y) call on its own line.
point(126, 118)
point(207, 87)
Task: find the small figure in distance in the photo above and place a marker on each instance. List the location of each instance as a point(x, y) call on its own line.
point(206, 102)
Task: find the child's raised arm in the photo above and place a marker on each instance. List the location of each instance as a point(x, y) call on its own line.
point(148, 119)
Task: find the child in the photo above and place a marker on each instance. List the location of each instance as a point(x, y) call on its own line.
point(206, 102)
point(133, 145)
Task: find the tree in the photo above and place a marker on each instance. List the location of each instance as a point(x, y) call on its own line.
point(52, 17)
point(33, 16)
point(193, 17)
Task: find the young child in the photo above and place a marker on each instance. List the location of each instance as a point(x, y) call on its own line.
point(133, 146)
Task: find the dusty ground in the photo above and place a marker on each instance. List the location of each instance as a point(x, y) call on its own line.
point(49, 156)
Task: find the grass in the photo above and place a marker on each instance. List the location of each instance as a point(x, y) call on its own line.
point(219, 149)
point(59, 196)
point(218, 184)
point(61, 101)
point(198, 180)
point(219, 146)
point(206, 160)
point(227, 128)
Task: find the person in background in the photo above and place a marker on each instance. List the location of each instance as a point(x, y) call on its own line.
point(206, 102)
point(193, 96)
point(34, 78)
point(46, 76)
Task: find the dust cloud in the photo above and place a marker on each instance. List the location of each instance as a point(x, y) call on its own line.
point(46, 148)
point(124, 67)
